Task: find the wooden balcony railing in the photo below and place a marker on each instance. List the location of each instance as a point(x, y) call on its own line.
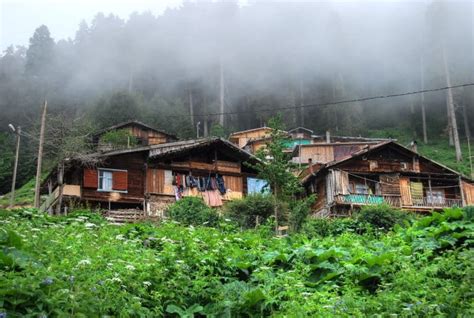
point(436, 202)
point(369, 199)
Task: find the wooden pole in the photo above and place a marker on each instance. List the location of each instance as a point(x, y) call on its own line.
point(463, 199)
point(15, 166)
point(40, 157)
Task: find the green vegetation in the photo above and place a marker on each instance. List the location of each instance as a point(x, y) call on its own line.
point(193, 211)
point(119, 139)
point(245, 211)
point(80, 266)
point(382, 216)
point(24, 196)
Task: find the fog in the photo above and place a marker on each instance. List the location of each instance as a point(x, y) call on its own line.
point(263, 54)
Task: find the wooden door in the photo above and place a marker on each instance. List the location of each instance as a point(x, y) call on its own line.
point(405, 191)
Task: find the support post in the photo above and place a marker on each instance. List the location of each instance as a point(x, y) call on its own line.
point(15, 166)
point(463, 199)
point(40, 157)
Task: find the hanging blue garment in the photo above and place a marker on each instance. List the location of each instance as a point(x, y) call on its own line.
point(220, 184)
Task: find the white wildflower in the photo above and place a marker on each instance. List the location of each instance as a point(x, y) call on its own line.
point(89, 225)
point(84, 262)
point(179, 261)
point(130, 267)
point(119, 237)
point(147, 283)
point(116, 279)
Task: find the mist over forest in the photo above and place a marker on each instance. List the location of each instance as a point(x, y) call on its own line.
point(173, 70)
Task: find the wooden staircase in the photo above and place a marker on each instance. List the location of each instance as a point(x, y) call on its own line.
point(119, 217)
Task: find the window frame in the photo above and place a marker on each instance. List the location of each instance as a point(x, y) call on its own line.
point(99, 188)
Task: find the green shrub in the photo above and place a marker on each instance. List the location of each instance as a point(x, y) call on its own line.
point(193, 211)
point(299, 211)
point(469, 212)
point(332, 227)
point(119, 138)
point(382, 216)
point(245, 211)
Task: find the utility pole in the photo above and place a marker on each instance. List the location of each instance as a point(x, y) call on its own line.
point(40, 157)
point(17, 131)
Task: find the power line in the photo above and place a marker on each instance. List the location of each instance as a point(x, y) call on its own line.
point(347, 101)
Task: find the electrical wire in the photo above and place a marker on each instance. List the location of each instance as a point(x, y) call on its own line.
point(347, 101)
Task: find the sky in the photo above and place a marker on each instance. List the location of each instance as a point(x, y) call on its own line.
point(19, 18)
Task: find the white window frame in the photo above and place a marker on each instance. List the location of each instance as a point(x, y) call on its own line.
point(99, 185)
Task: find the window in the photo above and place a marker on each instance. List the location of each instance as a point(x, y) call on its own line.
point(435, 197)
point(255, 186)
point(361, 188)
point(105, 180)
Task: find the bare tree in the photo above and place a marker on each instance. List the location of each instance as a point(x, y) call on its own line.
point(452, 123)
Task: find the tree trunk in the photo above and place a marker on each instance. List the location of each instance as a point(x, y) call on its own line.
point(130, 80)
point(422, 96)
point(467, 129)
point(40, 157)
point(221, 94)
point(275, 208)
point(452, 115)
point(205, 128)
point(191, 106)
point(60, 188)
point(301, 104)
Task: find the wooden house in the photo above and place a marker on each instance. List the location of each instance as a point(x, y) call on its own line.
point(385, 173)
point(241, 138)
point(149, 178)
point(138, 134)
point(327, 152)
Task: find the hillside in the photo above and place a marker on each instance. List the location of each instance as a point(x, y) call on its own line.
point(142, 270)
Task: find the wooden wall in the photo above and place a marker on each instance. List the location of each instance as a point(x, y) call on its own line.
point(468, 189)
point(134, 164)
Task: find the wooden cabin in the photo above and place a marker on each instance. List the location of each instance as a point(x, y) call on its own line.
point(301, 133)
point(326, 152)
point(138, 134)
point(385, 173)
point(152, 177)
point(242, 138)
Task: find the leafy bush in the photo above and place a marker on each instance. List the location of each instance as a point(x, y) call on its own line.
point(332, 227)
point(469, 212)
point(119, 138)
point(382, 216)
point(245, 211)
point(70, 269)
point(193, 211)
point(299, 211)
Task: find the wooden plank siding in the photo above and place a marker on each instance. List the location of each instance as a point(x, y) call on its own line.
point(468, 189)
point(133, 164)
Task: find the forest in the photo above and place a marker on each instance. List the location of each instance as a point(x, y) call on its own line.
point(223, 66)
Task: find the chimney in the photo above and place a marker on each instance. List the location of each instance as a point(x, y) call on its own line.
point(310, 162)
point(328, 137)
point(414, 146)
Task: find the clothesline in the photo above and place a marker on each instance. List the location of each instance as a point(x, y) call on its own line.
point(391, 184)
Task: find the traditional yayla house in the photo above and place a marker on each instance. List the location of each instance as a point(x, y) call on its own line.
point(347, 172)
point(383, 172)
point(153, 174)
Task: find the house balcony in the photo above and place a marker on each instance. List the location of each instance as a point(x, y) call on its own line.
point(396, 201)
